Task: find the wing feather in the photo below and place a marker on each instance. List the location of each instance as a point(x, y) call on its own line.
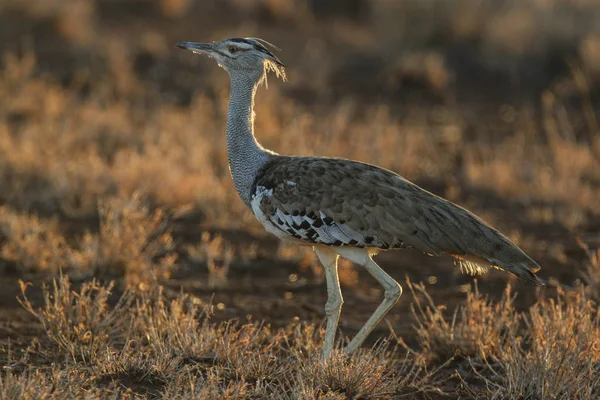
point(341, 202)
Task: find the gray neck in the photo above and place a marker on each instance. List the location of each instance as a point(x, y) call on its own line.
point(246, 155)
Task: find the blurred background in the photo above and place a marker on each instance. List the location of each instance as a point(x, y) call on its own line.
point(105, 127)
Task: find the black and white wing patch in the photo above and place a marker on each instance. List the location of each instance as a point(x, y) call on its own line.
point(305, 224)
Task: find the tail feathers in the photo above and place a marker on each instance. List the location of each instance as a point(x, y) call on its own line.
point(526, 274)
point(475, 265)
point(524, 270)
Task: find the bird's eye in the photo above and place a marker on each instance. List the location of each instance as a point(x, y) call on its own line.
point(232, 49)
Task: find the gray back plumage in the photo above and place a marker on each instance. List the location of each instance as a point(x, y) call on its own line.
point(340, 202)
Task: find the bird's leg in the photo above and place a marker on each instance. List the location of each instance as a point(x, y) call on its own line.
point(392, 293)
point(333, 307)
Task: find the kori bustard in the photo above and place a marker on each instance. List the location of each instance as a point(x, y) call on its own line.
point(343, 207)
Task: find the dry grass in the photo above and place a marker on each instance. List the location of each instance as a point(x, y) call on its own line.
point(82, 324)
point(590, 269)
point(217, 254)
point(56, 384)
point(159, 347)
point(106, 143)
point(553, 354)
point(32, 244)
point(134, 243)
point(479, 328)
point(377, 373)
point(103, 140)
point(557, 358)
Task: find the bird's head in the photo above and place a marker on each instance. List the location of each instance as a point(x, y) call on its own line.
point(240, 56)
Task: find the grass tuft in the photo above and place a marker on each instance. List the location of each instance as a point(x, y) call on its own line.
point(367, 374)
point(476, 329)
point(558, 357)
point(31, 243)
point(134, 242)
point(152, 346)
point(81, 324)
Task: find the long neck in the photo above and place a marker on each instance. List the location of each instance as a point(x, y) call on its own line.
point(246, 156)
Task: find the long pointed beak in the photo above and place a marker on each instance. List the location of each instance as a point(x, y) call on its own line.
point(199, 48)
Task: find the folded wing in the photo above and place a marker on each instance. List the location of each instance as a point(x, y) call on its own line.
point(340, 202)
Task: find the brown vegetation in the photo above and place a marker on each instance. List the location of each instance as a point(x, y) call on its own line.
point(161, 347)
point(150, 279)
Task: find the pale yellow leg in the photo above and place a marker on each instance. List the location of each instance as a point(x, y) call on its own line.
point(333, 307)
point(392, 293)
